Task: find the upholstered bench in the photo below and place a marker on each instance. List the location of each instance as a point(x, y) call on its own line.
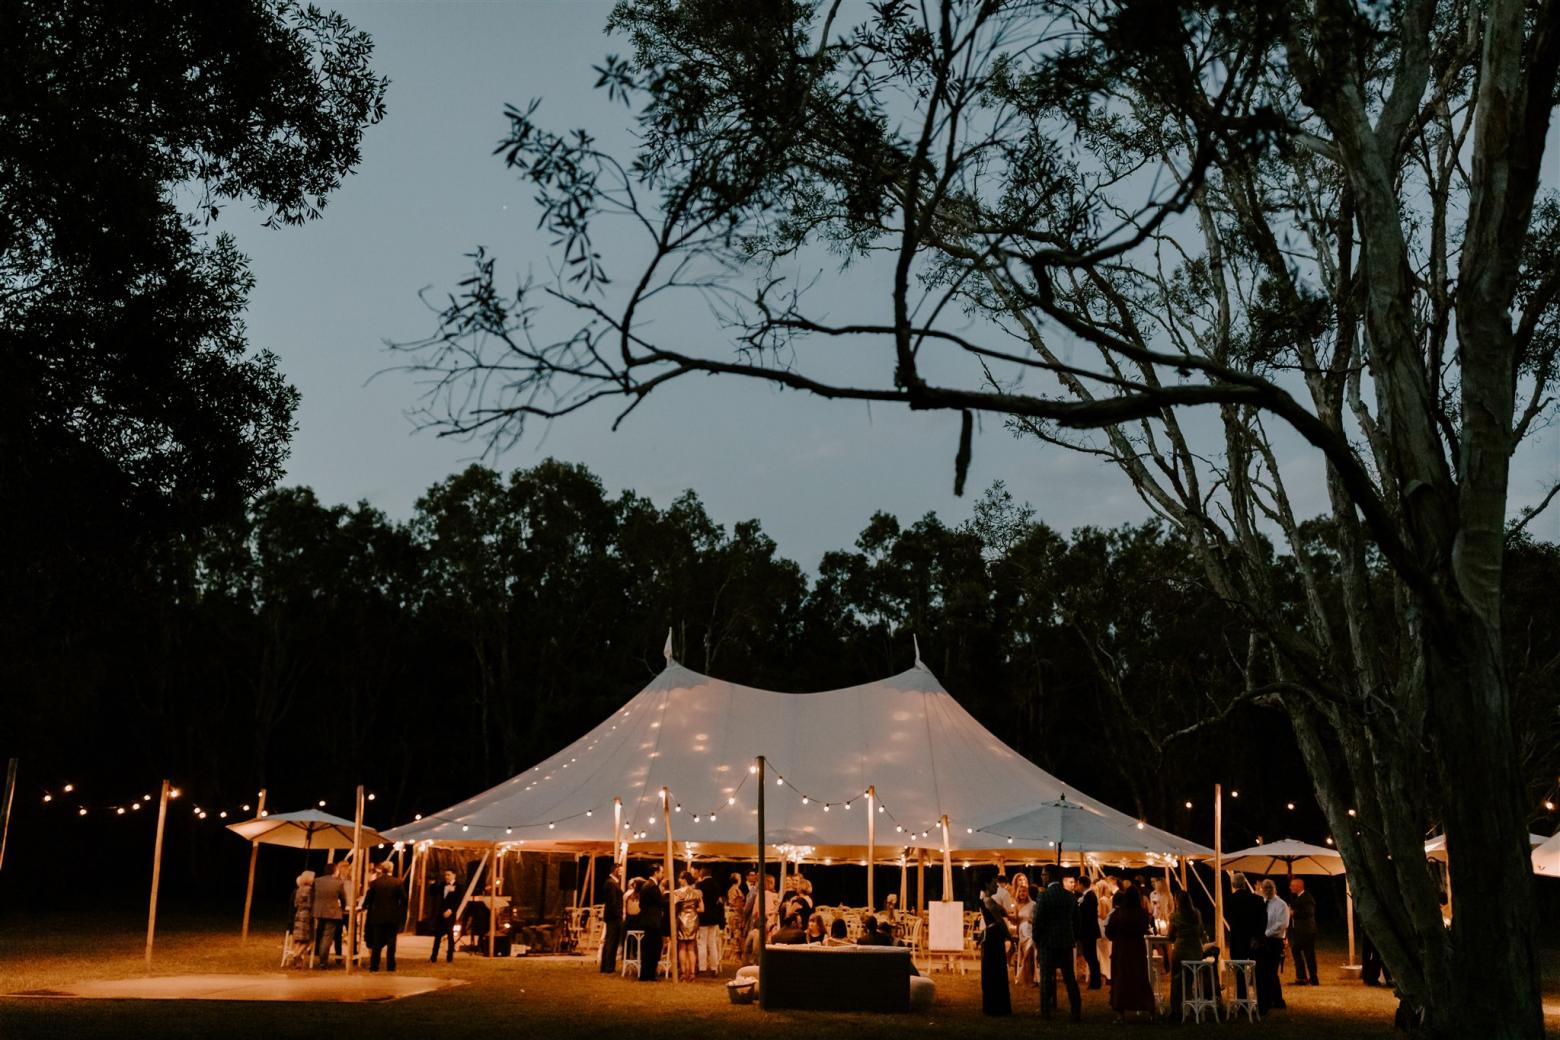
point(836, 978)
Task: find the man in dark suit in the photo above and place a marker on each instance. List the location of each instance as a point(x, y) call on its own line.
point(652, 918)
point(872, 935)
point(1086, 929)
point(1302, 933)
point(612, 916)
point(712, 921)
point(1247, 920)
point(384, 908)
point(1054, 931)
point(446, 901)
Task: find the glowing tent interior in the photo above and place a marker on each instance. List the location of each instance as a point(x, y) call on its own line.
point(900, 750)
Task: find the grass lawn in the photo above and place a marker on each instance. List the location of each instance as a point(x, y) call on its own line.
point(552, 998)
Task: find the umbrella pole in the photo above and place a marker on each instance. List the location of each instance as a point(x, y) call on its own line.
point(254, 853)
point(151, 913)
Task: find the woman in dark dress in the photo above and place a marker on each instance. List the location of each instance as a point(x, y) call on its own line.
point(1125, 928)
point(995, 999)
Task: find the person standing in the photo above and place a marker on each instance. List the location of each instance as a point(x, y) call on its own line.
point(652, 920)
point(1302, 933)
point(1125, 928)
point(1248, 920)
point(384, 906)
point(332, 896)
point(712, 919)
point(1086, 930)
point(1054, 921)
point(612, 917)
point(1270, 989)
point(995, 997)
point(446, 902)
point(303, 919)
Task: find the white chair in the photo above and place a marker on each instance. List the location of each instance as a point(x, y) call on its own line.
point(631, 953)
point(1246, 972)
point(1199, 990)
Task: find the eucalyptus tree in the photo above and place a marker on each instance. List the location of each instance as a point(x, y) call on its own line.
point(1321, 221)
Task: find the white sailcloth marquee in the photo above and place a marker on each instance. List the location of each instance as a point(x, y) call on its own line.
point(904, 738)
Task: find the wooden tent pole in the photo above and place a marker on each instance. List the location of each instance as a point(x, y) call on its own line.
point(920, 879)
point(904, 876)
point(871, 843)
point(151, 913)
point(671, 885)
point(498, 866)
point(760, 919)
point(619, 846)
point(1218, 870)
point(947, 863)
point(1348, 899)
point(254, 853)
point(5, 805)
point(357, 891)
point(413, 898)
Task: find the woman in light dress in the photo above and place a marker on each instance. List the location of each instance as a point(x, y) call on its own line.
point(1024, 901)
point(690, 903)
point(1105, 896)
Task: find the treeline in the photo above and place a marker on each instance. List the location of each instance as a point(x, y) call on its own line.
point(310, 647)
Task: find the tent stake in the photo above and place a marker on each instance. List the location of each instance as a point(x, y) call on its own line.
point(254, 853)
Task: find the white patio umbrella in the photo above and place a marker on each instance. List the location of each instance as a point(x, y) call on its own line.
point(1073, 827)
point(1286, 857)
point(1435, 848)
point(306, 829)
point(1546, 856)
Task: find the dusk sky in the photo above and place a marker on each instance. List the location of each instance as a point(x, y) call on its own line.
point(429, 190)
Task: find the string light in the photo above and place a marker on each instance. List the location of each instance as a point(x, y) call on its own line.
point(1290, 806)
point(69, 788)
point(48, 798)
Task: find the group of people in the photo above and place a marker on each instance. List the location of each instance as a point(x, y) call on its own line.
point(320, 907)
point(692, 915)
point(1105, 926)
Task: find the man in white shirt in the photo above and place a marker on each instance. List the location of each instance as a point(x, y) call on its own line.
point(1270, 991)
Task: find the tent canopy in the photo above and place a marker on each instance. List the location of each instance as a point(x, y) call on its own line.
point(697, 737)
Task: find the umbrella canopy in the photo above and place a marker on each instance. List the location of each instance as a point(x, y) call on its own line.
point(1435, 848)
point(1286, 857)
point(307, 829)
point(1546, 857)
point(1074, 827)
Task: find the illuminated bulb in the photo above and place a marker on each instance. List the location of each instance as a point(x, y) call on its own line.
point(550, 826)
point(119, 811)
point(1290, 806)
point(880, 808)
point(1010, 841)
point(651, 820)
point(48, 798)
point(465, 827)
point(898, 829)
point(244, 807)
point(417, 817)
point(1549, 805)
point(203, 816)
point(1234, 794)
point(1329, 841)
point(779, 781)
point(712, 817)
point(847, 805)
point(590, 812)
point(264, 813)
point(804, 800)
point(135, 805)
point(176, 792)
point(222, 815)
point(695, 817)
point(1188, 805)
point(509, 830)
point(322, 803)
point(679, 808)
point(81, 812)
point(752, 769)
point(969, 830)
point(69, 788)
point(1141, 825)
point(371, 798)
point(826, 807)
point(1351, 812)
point(731, 801)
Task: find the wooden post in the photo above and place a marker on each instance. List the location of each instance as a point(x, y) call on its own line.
point(357, 891)
point(619, 847)
point(254, 853)
point(1218, 870)
point(498, 866)
point(413, 898)
point(760, 919)
point(151, 913)
point(947, 862)
point(1348, 902)
point(904, 874)
point(5, 806)
point(920, 880)
point(871, 842)
point(671, 902)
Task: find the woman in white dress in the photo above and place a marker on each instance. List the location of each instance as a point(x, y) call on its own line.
point(1104, 894)
point(1024, 901)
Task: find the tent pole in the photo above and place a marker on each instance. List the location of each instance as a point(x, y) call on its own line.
point(421, 855)
point(947, 863)
point(498, 864)
point(5, 805)
point(254, 852)
point(1218, 869)
point(357, 889)
point(151, 913)
point(671, 896)
point(871, 843)
point(619, 847)
point(759, 918)
point(471, 886)
point(904, 890)
point(413, 892)
point(920, 880)
point(1348, 899)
